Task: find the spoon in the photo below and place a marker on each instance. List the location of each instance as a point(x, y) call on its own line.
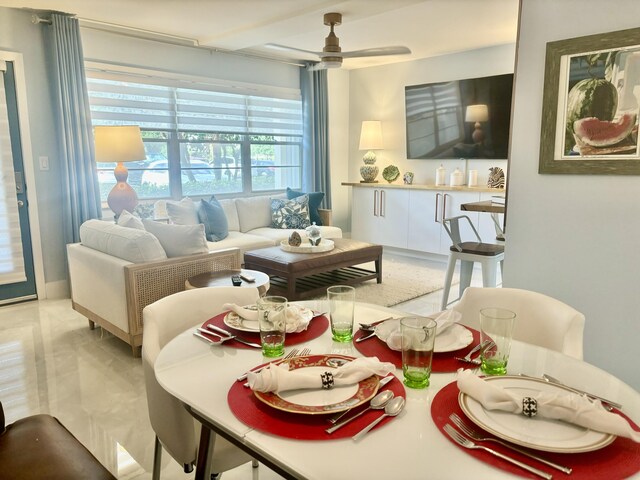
point(393, 408)
point(377, 403)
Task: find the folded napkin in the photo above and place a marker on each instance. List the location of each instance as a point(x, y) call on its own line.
point(295, 319)
point(569, 407)
point(444, 320)
point(278, 378)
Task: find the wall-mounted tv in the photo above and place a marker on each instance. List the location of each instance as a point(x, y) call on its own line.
point(440, 125)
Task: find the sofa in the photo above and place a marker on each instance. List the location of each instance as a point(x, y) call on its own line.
point(115, 271)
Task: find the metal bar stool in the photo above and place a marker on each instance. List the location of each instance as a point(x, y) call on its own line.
point(487, 254)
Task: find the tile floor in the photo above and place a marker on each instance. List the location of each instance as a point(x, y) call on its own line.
point(51, 362)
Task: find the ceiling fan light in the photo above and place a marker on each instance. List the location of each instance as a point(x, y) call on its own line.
point(331, 64)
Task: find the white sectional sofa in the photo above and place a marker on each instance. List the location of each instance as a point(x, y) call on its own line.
point(116, 271)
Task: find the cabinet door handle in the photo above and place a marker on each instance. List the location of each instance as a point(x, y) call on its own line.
point(382, 202)
point(375, 203)
point(444, 205)
point(435, 216)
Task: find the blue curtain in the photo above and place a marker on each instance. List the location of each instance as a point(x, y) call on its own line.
point(80, 191)
point(316, 172)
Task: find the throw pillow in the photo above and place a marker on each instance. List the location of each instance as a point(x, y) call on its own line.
point(178, 240)
point(183, 212)
point(129, 220)
point(212, 215)
point(315, 199)
point(290, 213)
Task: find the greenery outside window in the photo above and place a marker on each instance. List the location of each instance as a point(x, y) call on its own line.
point(200, 142)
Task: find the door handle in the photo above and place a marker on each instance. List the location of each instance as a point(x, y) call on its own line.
point(435, 216)
point(382, 195)
point(444, 205)
point(375, 203)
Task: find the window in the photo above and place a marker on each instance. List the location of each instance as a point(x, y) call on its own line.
point(200, 141)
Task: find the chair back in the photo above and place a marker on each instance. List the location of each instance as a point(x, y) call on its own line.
point(164, 320)
point(540, 319)
point(458, 228)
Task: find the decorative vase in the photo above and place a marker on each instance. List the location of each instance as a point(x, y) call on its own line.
point(369, 171)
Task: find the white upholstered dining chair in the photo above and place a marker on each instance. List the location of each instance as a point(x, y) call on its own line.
point(175, 428)
point(540, 319)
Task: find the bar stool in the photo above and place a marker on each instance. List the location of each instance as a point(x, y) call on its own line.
point(487, 254)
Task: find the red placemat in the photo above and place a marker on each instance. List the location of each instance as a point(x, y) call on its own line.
point(442, 362)
point(620, 459)
point(316, 327)
point(256, 414)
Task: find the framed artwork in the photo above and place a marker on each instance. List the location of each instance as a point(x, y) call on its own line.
point(591, 105)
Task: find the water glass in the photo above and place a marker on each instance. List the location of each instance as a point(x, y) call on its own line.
point(273, 325)
point(341, 306)
point(418, 340)
point(496, 325)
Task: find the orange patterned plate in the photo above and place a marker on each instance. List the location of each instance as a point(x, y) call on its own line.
point(320, 401)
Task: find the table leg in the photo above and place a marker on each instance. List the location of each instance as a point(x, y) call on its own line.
point(203, 454)
point(378, 263)
point(291, 288)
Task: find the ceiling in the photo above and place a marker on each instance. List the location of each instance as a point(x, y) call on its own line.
point(427, 27)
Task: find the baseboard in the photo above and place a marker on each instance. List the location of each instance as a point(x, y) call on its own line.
point(57, 290)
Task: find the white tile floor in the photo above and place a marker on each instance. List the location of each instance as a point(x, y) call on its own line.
point(51, 362)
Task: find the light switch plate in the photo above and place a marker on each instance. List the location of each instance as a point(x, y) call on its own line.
point(44, 163)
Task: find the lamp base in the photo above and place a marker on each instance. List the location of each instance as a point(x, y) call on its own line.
point(122, 196)
point(369, 173)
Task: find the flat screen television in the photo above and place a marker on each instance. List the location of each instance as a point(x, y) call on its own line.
point(440, 125)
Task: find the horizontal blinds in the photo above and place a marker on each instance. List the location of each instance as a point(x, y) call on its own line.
point(152, 105)
point(11, 257)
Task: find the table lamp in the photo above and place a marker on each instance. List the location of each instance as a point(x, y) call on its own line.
point(477, 114)
point(370, 140)
point(119, 144)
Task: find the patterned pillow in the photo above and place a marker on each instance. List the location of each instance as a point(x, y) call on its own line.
point(290, 213)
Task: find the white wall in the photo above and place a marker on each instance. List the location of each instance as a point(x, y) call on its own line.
point(574, 237)
point(338, 86)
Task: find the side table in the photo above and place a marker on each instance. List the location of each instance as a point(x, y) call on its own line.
point(222, 278)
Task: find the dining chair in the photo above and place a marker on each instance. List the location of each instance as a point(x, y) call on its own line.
point(489, 255)
point(540, 319)
point(176, 430)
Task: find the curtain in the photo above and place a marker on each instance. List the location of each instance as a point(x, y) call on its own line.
point(80, 191)
point(315, 110)
point(11, 258)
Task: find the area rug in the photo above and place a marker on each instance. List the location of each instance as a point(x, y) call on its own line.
point(400, 282)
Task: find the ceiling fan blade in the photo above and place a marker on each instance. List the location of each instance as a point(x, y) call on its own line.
point(376, 52)
point(275, 46)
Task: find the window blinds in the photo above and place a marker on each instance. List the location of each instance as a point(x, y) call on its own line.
point(156, 104)
point(11, 258)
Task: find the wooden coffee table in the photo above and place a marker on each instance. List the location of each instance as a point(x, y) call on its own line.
point(302, 275)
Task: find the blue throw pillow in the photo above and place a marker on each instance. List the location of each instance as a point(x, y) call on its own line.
point(315, 199)
point(211, 214)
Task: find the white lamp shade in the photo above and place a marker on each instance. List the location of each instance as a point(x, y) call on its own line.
point(118, 143)
point(477, 113)
point(371, 135)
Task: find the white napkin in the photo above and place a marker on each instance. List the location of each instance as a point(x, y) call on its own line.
point(444, 320)
point(569, 407)
point(278, 378)
point(296, 321)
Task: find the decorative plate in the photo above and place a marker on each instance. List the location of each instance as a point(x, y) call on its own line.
point(233, 320)
point(318, 402)
point(390, 173)
point(538, 433)
point(325, 246)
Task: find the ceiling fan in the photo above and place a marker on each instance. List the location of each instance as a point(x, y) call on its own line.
point(331, 55)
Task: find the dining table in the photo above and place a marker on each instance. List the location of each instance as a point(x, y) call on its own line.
point(204, 378)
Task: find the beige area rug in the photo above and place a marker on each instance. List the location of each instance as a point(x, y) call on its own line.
point(400, 282)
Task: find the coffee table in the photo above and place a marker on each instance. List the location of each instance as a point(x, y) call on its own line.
point(303, 275)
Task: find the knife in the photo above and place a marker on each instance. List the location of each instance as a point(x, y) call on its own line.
point(230, 335)
point(555, 381)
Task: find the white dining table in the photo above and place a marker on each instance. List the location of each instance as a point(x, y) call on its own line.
point(410, 446)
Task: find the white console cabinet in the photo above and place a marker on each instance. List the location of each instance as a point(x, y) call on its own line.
point(410, 217)
point(380, 215)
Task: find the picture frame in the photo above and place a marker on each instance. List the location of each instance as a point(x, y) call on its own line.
point(590, 107)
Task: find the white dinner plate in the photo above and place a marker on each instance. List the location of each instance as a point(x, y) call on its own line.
point(454, 338)
point(537, 433)
point(234, 320)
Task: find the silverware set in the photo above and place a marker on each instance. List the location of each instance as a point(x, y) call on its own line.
point(487, 344)
point(287, 358)
point(385, 396)
point(223, 334)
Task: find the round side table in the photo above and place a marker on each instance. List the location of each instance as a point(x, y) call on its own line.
point(222, 278)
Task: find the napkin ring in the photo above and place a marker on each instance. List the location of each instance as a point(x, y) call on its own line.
point(529, 407)
point(327, 380)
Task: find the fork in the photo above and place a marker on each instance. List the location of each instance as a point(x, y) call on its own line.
point(289, 355)
point(478, 437)
point(480, 346)
point(370, 326)
point(288, 358)
point(466, 443)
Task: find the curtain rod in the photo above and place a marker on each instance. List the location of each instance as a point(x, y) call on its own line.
point(35, 19)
